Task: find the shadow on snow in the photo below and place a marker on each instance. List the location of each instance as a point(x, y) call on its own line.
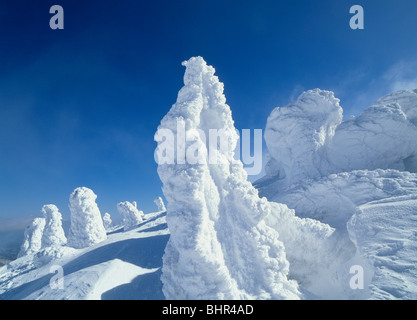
point(142, 252)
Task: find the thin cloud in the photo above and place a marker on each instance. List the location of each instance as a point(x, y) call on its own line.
point(12, 224)
point(360, 89)
point(402, 76)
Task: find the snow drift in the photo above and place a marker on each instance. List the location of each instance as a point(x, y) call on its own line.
point(384, 233)
point(333, 199)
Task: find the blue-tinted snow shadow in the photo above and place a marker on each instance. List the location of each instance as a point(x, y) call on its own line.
point(118, 230)
point(21, 292)
point(158, 227)
point(144, 287)
point(144, 223)
point(143, 252)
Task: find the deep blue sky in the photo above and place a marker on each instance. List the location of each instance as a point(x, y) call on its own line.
point(80, 106)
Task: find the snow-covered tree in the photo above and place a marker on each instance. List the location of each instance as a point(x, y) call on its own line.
point(298, 134)
point(32, 242)
point(160, 204)
point(383, 136)
point(107, 221)
point(131, 215)
point(53, 234)
point(220, 246)
point(86, 222)
point(307, 138)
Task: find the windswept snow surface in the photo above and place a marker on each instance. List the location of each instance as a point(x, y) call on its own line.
point(358, 176)
point(339, 200)
point(124, 266)
point(384, 231)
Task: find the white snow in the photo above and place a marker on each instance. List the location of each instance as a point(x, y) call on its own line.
point(124, 266)
point(226, 241)
point(86, 222)
point(382, 137)
point(160, 204)
point(126, 272)
point(337, 196)
point(297, 135)
point(33, 237)
point(333, 199)
point(407, 99)
point(107, 221)
point(312, 167)
point(131, 215)
point(307, 138)
point(53, 233)
point(384, 231)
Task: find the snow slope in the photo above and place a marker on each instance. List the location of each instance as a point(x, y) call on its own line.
point(384, 231)
point(124, 266)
